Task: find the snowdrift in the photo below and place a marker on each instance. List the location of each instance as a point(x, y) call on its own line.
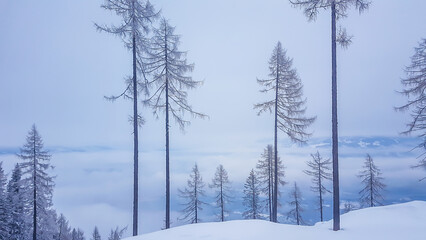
point(400, 221)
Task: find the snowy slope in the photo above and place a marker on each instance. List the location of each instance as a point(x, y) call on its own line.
point(401, 221)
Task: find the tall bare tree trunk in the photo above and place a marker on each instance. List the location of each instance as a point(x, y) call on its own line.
point(167, 142)
point(35, 193)
point(336, 201)
point(135, 143)
point(275, 191)
point(270, 183)
point(320, 191)
point(221, 202)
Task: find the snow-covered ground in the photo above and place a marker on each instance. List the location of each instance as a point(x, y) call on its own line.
point(400, 221)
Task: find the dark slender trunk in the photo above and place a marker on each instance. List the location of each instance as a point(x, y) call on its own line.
point(254, 199)
point(297, 210)
point(275, 191)
point(270, 182)
point(320, 191)
point(221, 201)
point(371, 187)
point(336, 200)
point(35, 191)
point(196, 201)
point(135, 143)
point(167, 141)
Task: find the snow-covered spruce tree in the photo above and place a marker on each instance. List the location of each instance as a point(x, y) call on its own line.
point(320, 172)
point(80, 235)
point(137, 16)
point(371, 194)
point(4, 207)
point(251, 199)
point(116, 234)
point(169, 69)
point(77, 234)
point(288, 106)
point(95, 234)
point(192, 194)
point(414, 89)
point(16, 203)
point(264, 171)
point(74, 234)
point(64, 230)
point(339, 9)
point(222, 186)
point(38, 185)
point(296, 206)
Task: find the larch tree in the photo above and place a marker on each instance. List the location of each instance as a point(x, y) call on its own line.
point(288, 106)
point(251, 199)
point(339, 10)
point(193, 194)
point(16, 203)
point(80, 235)
point(169, 69)
point(264, 171)
point(319, 170)
point(95, 234)
point(372, 192)
point(137, 16)
point(64, 230)
point(414, 89)
point(39, 186)
point(221, 184)
point(74, 234)
point(296, 206)
point(4, 208)
point(77, 234)
point(116, 234)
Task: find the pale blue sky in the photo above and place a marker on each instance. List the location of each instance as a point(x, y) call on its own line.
point(55, 69)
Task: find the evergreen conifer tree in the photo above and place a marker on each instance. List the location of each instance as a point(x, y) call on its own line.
point(319, 170)
point(265, 172)
point(193, 194)
point(168, 67)
point(16, 202)
point(296, 206)
point(251, 199)
point(339, 9)
point(64, 230)
point(4, 207)
point(137, 16)
point(95, 234)
point(221, 184)
point(288, 105)
point(372, 193)
point(415, 87)
point(39, 186)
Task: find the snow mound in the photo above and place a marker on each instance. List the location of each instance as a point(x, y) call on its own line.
point(400, 221)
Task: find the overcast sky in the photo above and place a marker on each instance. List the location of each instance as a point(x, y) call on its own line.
point(55, 69)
